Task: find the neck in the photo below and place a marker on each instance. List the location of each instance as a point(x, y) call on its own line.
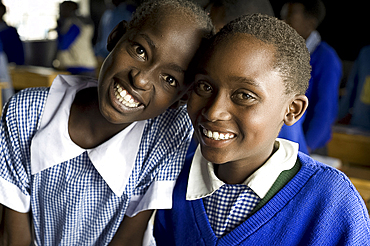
point(87, 127)
point(236, 172)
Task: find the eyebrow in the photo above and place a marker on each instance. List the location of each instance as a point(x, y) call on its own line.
point(244, 80)
point(175, 67)
point(148, 40)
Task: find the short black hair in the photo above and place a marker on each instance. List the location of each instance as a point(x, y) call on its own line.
point(292, 59)
point(147, 8)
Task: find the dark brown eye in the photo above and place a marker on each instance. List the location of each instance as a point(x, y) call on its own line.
point(204, 87)
point(170, 80)
point(140, 51)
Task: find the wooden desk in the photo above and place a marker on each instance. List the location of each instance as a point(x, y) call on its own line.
point(30, 76)
point(350, 145)
point(363, 187)
point(3, 85)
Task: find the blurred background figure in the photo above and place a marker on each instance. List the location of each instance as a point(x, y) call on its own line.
point(354, 107)
point(12, 45)
point(323, 91)
point(119, 10)
point(5, 82)
point(223, 11)
point(75, 51)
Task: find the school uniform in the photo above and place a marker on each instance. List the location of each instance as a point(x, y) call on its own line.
point(287, 201)
point(79, 196)
point(75, 50)
point(322, 92)
point(13, 46)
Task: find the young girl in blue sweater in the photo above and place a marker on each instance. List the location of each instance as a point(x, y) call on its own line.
point(245, 186)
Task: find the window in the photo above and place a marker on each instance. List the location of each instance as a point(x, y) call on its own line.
point(35, 19)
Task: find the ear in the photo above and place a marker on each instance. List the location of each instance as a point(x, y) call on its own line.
point(296, 109)
point(116, 34)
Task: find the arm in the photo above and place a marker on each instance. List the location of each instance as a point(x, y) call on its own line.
point(132, 229)
point(15, 228)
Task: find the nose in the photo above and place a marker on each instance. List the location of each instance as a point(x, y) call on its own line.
point(141, 80)
point(217, 109)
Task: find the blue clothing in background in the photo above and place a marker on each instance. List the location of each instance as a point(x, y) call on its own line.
point(4, 77)
point(12, 44)
point(356, 101)
point(323, 96)
point(109, 20)
point(75, 50)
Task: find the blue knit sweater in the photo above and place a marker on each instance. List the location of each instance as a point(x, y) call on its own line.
point(318, 206)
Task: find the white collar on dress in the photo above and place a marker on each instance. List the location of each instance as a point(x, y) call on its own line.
point(203, 182)
point(51, 145)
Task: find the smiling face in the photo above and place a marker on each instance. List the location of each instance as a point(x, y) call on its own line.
point(144, 74)
point(238, 104)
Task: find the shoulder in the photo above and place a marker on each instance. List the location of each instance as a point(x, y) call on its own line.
point(330, 184)
point(323, 171)
point(364, 53)
point(325, 50)
point(335, 202)
point(25, 108)
point(30, 98)
point(325, 60)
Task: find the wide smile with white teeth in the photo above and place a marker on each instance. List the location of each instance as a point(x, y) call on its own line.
point(217, 135)
point(124, 97)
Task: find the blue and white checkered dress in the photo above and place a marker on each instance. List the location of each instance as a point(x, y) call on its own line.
point(70, 202)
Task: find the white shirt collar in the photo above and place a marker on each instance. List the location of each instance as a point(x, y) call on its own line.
point(203, 182)
point(313, 41)
point(51, 145)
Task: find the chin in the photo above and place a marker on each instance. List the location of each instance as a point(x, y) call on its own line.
point(214, 156)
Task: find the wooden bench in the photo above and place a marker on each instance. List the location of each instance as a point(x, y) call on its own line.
point(350, 145)
point(30, 76)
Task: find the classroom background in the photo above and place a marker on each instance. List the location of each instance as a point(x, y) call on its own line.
point(40, 29)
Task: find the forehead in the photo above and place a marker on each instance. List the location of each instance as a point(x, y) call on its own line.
point(244, 57)
point(242, 51)
point(171, 32)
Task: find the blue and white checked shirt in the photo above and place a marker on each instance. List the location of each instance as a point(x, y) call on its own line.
point(78, 196)
point(228, 205)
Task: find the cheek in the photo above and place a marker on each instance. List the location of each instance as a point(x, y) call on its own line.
point(195, 105)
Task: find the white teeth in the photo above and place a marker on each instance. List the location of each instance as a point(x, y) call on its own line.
point(122, 92)
point(125, 98)
point(217, 135)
